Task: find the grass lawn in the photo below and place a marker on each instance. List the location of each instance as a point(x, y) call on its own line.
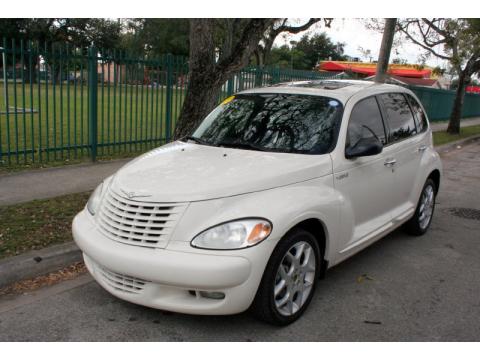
point(38, 224)
point(131, 119)
point(442, 137)
point(133, 113)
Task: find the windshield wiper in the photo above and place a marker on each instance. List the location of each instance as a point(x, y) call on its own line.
point(240, 145)
point(196, 139)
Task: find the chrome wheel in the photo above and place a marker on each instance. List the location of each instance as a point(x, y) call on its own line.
point(294, 279)
point(426, 206)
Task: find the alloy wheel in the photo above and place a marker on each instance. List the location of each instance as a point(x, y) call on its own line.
point(426, 206)
point(294, 279)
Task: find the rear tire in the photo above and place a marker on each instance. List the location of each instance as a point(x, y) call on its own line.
point(289, 280)
point(421, 220)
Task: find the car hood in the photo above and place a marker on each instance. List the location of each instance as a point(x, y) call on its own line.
point(182, 172)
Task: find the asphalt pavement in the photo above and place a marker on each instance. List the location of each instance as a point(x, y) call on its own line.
point(402, 288)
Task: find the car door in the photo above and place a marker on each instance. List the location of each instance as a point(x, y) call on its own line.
point(405, 145)
point(364, 182)
point(424, 142)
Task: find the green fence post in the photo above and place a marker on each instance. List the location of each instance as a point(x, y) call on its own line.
point(169, 98)
point(230, 86)
point(258, 76)
point(276, 75)
point(92, 101)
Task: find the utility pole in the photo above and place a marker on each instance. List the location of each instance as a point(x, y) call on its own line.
point(386, 47)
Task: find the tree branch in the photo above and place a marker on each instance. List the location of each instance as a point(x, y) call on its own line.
point(432, 25)
point(473, 64)
point(296, 29)
point(269, 38)
point(404, 30)
point(251, 35)
point(426, 40)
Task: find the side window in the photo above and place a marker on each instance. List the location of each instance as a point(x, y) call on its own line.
point(365, 113)
point(400, 118)
point(420, 117)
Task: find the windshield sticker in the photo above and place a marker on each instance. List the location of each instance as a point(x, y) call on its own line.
point(227, 100)
point(333, 103)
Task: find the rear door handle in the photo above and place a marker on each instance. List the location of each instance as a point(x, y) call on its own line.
point(390, 162)
point(422, 148)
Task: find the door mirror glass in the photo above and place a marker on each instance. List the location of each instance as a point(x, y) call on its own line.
point(364, 147)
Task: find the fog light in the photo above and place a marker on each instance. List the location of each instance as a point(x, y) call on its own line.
point(212, 295)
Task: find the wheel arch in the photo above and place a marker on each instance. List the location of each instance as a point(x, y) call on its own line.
point(435, 176)
point(318, 229)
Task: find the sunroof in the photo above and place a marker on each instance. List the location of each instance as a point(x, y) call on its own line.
point(321, 84)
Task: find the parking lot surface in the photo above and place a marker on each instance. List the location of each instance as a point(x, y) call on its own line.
point(402, 288)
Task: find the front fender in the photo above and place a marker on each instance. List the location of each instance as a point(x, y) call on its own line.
point(284, 206)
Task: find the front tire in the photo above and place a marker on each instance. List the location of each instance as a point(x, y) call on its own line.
point(421, 220)
point(289, 279)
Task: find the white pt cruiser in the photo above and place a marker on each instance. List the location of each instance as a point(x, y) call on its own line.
point(274, 187)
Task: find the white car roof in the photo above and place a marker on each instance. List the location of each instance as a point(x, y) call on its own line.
point(341, 90)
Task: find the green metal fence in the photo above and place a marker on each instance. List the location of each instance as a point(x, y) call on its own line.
point(439, 103)
point(62, 102)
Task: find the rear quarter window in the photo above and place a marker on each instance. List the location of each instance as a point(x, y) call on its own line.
point(399, 116)
point(420, 117)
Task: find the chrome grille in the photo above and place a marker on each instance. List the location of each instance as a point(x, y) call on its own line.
point(122, 282)
point(138, 223)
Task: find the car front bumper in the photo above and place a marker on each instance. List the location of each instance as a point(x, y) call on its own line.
point(171, 279)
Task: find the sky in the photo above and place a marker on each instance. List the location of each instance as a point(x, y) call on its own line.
point(354, 34)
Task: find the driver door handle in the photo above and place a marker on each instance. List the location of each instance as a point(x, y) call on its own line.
point(422, 148)
point(390, 162)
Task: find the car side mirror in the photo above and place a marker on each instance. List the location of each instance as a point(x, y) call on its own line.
point(364, 147)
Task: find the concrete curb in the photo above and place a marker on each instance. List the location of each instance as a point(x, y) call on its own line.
point(38, 262)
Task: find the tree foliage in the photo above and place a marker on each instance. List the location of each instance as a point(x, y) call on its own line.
point(307, 52)
point(454, 40)
point(81, 32)
point(52, 35)
point(319, 47)
point(278, 27)
point(154, 37)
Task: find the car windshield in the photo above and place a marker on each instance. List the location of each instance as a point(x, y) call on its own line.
point(273, 122)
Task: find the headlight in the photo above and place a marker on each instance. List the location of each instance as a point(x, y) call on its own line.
point(94, 200)
point(233, 235)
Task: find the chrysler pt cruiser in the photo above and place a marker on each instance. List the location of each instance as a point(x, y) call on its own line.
point(275, 186)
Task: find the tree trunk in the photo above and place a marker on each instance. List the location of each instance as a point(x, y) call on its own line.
point(228, 41)
point(203, 84)
point(55, 73)
point(258, 57)
point(385, 48)
point(202, 96)
point(206, 78)
point(30, 72)
point(455, 117)
point(464, 77)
